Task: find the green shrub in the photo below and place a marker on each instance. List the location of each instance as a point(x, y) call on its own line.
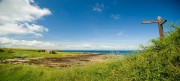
point(1, 50)
point(159, 61)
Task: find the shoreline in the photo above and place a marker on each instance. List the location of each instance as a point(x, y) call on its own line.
point(61, 62)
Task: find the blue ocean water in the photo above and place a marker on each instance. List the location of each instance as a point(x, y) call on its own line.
point(115, 52)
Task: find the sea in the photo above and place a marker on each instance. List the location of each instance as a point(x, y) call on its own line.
point(114, 52)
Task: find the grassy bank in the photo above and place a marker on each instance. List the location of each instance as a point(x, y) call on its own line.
point(34, 73)
point(158, 62)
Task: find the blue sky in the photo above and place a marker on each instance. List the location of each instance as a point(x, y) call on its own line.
point(103, 22)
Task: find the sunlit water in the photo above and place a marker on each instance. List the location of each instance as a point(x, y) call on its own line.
point(115, 52)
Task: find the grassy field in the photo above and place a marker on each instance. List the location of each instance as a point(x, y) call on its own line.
point(158, 62)
point(132, 68)
point(7, 53)
point(33, 73)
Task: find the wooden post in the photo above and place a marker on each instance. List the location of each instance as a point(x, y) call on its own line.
point(160, 25)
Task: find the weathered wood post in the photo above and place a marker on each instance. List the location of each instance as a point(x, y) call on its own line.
point(160, 25)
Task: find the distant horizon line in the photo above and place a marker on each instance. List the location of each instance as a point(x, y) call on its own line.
point(73, 49)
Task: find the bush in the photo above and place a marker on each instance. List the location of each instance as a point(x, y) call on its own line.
point(159, 61)
point(1, 50)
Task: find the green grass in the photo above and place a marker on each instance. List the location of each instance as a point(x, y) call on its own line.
point(7, 53)
point(92, 72)
point(132, 68)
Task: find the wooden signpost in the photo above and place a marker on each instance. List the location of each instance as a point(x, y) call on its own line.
point(160, 25)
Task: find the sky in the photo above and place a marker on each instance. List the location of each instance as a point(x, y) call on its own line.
point(83, 24)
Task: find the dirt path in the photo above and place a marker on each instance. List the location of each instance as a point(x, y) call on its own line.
point(62, 61)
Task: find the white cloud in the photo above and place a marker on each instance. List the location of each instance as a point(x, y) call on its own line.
point(95, 46)
point(18, 16)
point(116, 17)
point(20, 10)
point(98, 7)
point(11, 28)
point(7, 42)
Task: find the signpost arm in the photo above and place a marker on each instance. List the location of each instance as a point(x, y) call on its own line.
point(160, 25)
